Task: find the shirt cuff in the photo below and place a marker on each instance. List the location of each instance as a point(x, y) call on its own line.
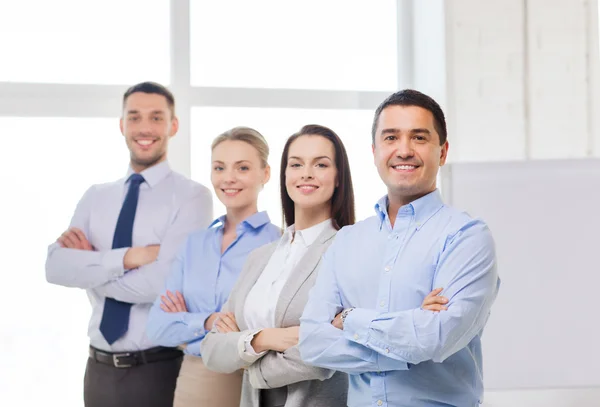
point(245, 349)
point(195, 322)
point(357, 324)
point(193, 348)
point(113, 261)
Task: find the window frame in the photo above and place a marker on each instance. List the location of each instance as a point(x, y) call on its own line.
point(83, 100)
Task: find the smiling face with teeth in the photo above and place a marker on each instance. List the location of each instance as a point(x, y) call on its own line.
point(407, 152)
point(238, 175)
point(311, 174)
point(147, 124)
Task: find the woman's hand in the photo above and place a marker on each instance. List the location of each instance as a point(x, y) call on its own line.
point(173, 302)
point(210, 321)
point(434, 302)
point(276, 339)
point(226, 323)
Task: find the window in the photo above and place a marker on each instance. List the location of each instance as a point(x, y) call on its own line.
point(60, 138)
point(70, 41)
point(51, 162)
point(309, 44)
point(353, 127)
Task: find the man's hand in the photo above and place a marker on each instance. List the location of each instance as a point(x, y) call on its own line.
point(434, 302)
point(140, 256)
point(173, 302)
point(74, 238)
point(226, 323)
point(276, 339)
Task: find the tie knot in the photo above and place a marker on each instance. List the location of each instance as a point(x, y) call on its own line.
point(136, 179)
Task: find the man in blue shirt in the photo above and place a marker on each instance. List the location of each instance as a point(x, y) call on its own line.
point(119, 248)
point(364, 315)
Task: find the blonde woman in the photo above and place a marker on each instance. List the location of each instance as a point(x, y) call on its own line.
point(209, 264)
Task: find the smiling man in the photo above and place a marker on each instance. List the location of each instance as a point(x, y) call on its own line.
point(364, 314)
point(119, 247)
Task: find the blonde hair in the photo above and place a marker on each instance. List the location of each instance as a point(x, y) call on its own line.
point(247, 135)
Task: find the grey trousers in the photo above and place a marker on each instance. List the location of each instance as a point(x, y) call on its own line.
point(149, 385)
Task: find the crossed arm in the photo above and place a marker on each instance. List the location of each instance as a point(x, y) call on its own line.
point(371, 341)
point(134, 275)
point(170, 323)
point(270, 355)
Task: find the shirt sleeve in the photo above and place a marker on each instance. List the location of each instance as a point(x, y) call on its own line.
point(144, 284)
point(225, 352)
point(248, 349)
point(176, 328)
point(321, 344)
point(83, 268)
point(278, 369)
point(467, 271)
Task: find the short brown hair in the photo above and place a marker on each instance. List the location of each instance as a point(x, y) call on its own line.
point(411, 97)
point(152, 88)
point(247, 135)
point(342, 201)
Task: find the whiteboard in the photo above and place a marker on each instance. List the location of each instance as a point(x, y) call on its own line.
point(544, 329)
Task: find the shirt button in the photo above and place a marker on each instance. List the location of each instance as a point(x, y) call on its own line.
point(355, 336)
point(379, 402)
point(382, 303)
point(387, 350)
point(387, 268)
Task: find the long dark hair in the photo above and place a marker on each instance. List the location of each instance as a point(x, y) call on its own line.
point(342, 201)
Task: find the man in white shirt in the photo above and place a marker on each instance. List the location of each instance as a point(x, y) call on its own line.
point(119, 247)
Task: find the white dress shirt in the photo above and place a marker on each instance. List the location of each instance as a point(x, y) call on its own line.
point(259, 309)
point(170, 206)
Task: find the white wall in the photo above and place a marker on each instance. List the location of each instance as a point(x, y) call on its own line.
point(543, 398)
point(522, 79)
point(521, 82)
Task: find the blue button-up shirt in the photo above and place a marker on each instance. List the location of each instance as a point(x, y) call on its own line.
point(205, 277)
point(397, 354)
point(170, 207)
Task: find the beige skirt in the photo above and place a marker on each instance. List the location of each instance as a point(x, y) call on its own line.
point(199, 387)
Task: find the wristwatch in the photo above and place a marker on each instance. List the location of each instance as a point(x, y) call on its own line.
point(345, 314)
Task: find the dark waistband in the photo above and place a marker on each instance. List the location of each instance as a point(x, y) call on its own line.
point(273, 397)
point(131, 359)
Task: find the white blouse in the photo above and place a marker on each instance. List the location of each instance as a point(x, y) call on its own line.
point(259, 309)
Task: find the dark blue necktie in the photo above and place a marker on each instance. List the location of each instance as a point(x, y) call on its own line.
point(115, 317)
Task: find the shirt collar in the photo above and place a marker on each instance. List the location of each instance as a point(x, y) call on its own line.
point(308, 235)
point(152, 175)
point(219, 221)
point(422, 209)
point(253, 221)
